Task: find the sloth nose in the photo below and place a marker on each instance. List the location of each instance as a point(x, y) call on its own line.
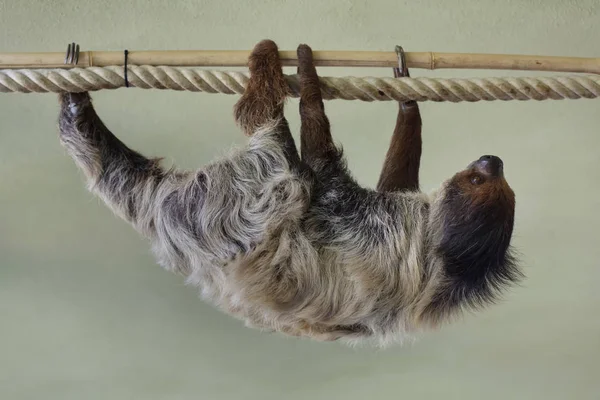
point(490, 165)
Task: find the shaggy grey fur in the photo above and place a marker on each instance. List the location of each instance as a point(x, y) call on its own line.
point(298, 247)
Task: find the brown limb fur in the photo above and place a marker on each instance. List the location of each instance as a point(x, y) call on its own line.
point(401, 166)
point(264, 99)
point(316, 141)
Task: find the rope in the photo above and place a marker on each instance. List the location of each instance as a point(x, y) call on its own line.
point(347, 88)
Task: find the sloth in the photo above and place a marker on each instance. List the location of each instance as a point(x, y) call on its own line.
point(287, 241)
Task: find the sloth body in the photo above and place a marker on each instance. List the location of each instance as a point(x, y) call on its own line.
point(290, 242)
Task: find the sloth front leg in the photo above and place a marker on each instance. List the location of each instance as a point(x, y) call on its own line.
point(261, 107)
point(317, 146)
point(125, 179)
point(262, 103)
point(400, 169)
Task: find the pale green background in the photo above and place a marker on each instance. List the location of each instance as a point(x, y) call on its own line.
point(85, 313)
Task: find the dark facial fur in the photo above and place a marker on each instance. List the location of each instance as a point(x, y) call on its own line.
point(290, 242)
point(475, 226)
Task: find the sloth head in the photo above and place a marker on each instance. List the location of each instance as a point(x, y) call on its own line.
point(472, 225)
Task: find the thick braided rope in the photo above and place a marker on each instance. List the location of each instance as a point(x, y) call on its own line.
point(347, 88)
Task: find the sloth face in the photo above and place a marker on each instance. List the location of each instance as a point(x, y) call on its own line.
point(473, 219)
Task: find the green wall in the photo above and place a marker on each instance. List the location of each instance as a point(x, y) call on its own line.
point(85, 313)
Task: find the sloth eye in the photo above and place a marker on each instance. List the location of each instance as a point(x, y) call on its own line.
point(476, 180)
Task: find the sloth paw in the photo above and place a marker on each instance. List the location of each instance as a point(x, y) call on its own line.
point(73, 103)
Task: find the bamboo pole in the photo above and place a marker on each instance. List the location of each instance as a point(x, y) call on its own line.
point(238, 58)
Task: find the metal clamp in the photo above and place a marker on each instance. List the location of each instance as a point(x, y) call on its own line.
point(402, 72)
point(72, 55)
point(402, 69)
